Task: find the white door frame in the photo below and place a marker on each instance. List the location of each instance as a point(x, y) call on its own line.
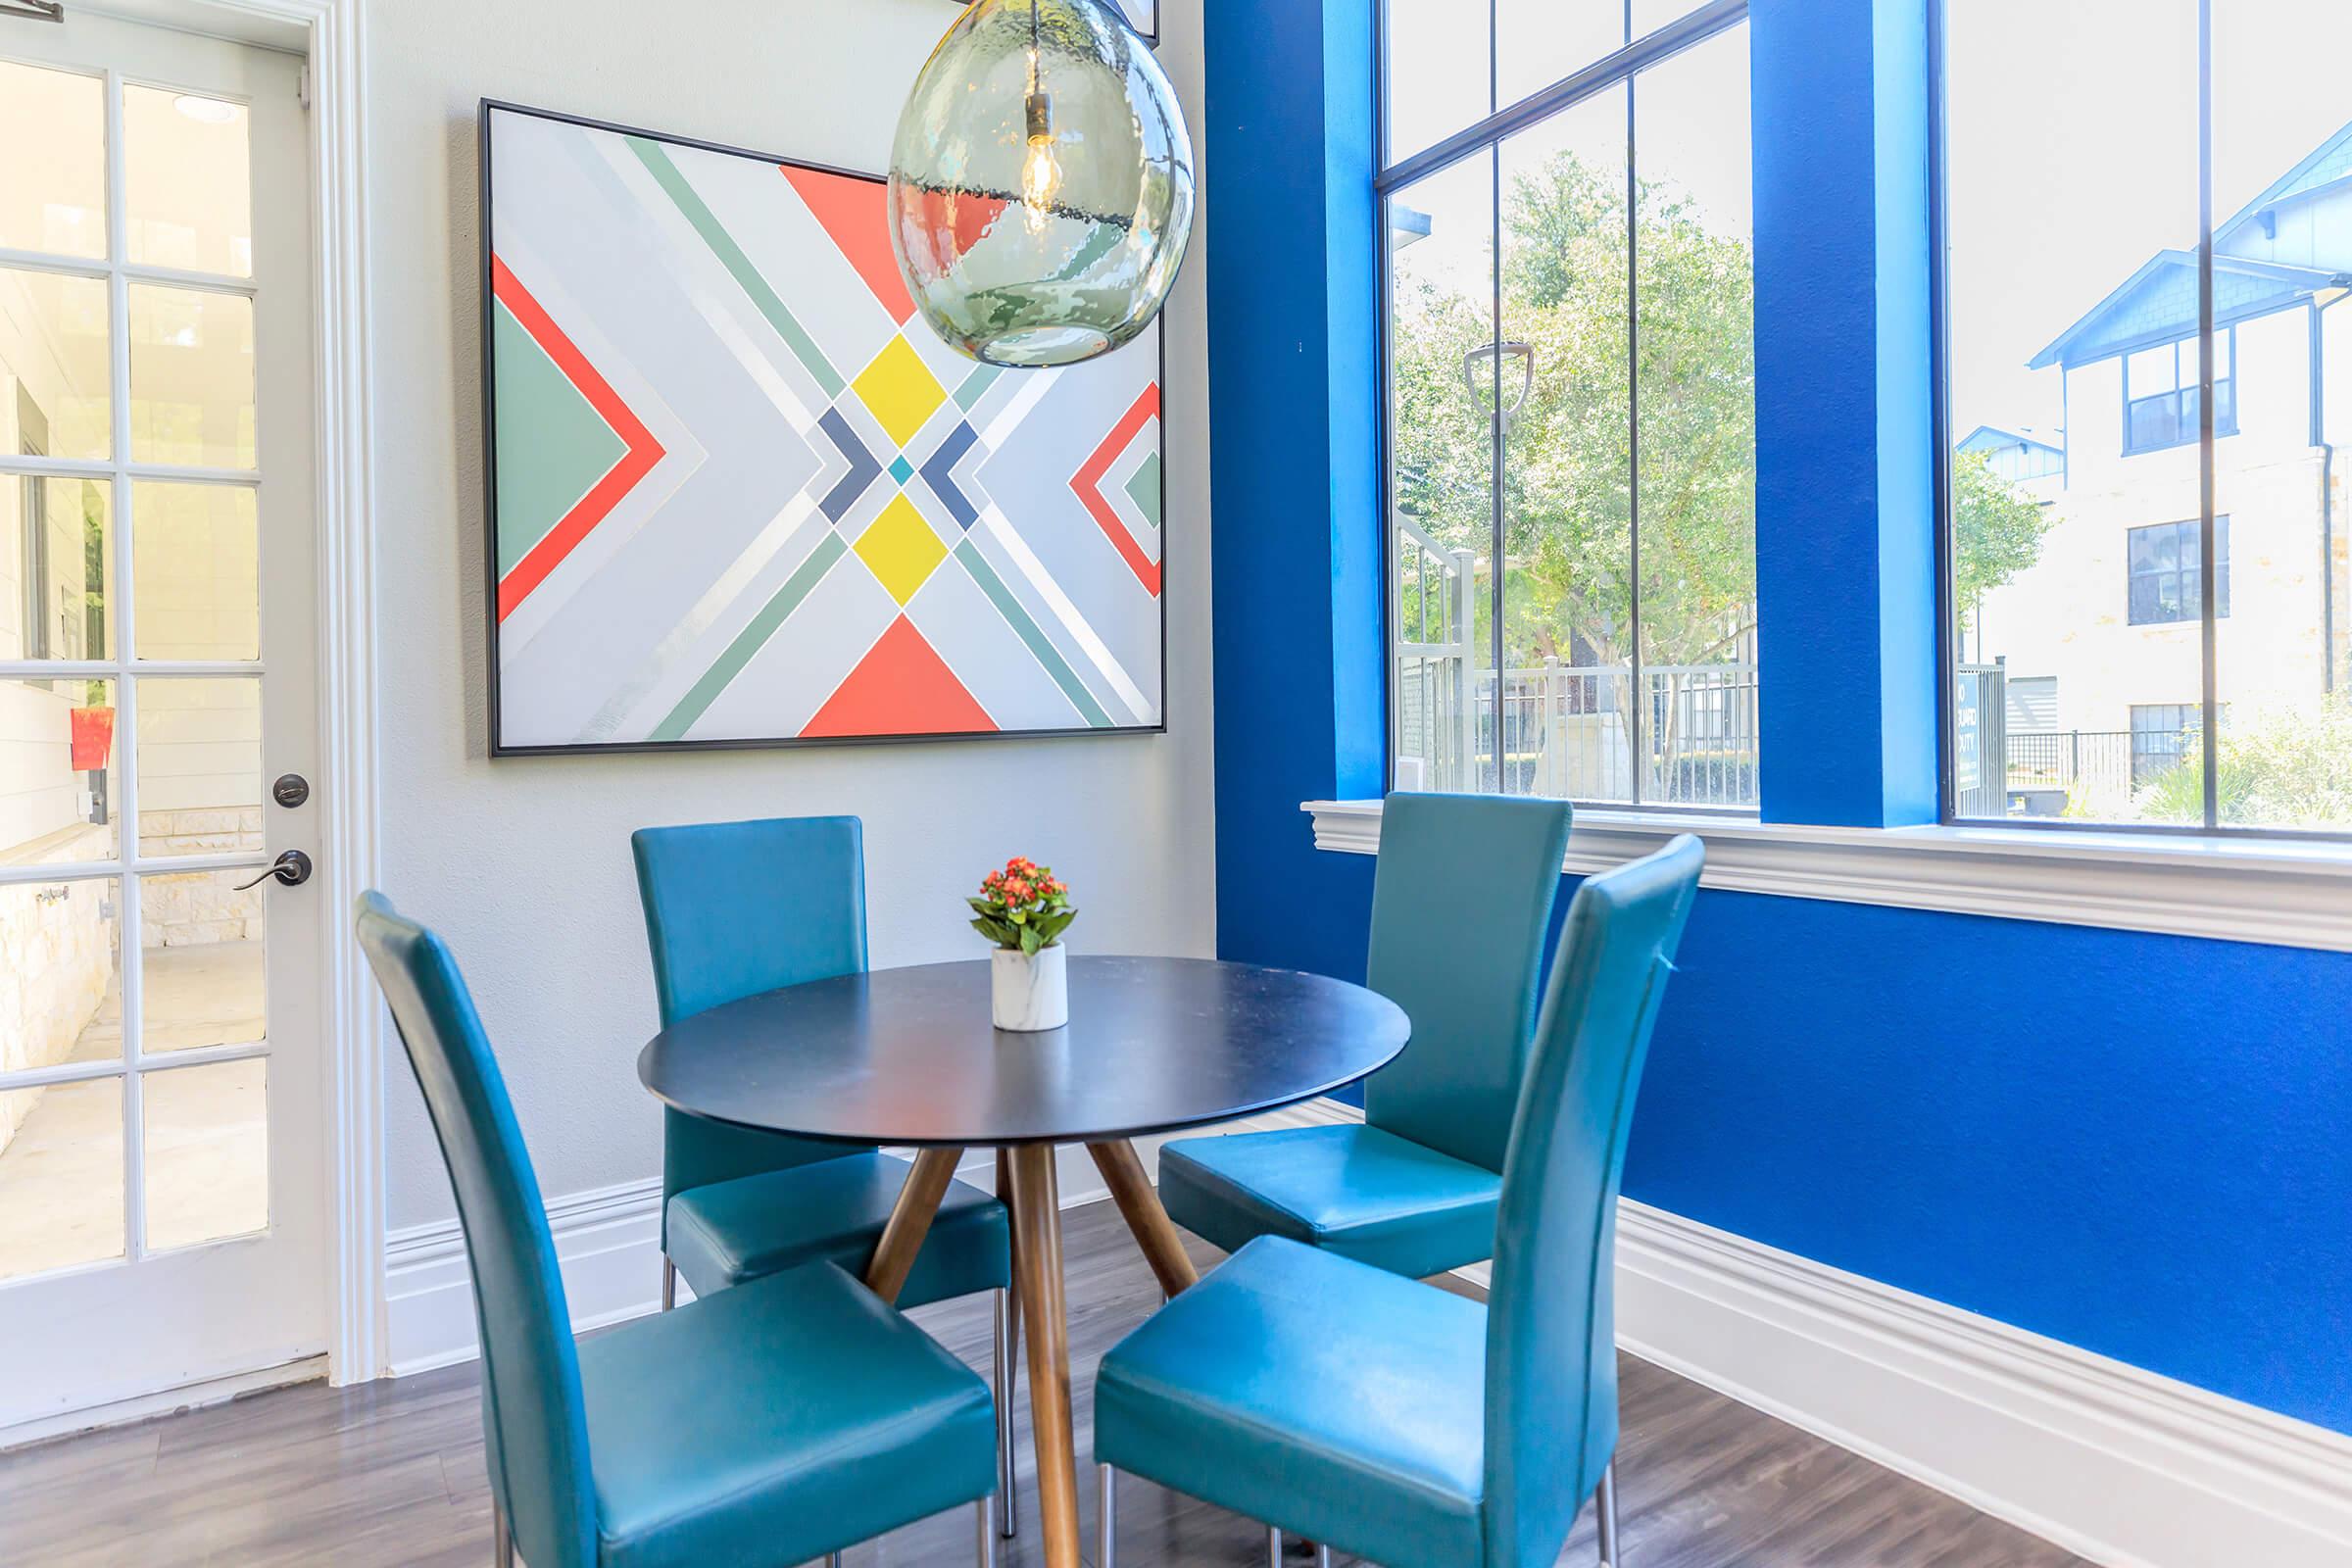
point(332, 33)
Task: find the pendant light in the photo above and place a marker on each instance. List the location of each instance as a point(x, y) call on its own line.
point(1041, 183)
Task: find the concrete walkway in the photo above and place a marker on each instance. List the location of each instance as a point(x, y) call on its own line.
point(207, 1139)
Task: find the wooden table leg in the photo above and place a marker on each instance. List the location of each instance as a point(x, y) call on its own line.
point(1013, 1339)
point(1163, 1248)
point(911, 1221)
point(1008, 1510)
point(1037, 1227)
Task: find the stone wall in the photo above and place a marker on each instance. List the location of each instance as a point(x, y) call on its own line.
point(199, 906)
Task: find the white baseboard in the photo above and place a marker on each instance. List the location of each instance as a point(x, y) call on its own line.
point(2113, 1463)
point(609, 1242)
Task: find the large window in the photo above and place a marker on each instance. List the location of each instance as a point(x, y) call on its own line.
point(2147, 231)
point(1571, 404)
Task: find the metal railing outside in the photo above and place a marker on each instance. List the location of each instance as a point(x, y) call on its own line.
point(1566, 732)
point(2096, 762)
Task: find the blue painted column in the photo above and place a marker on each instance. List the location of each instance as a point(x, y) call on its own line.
point(1294, 337)
point(1845, 495)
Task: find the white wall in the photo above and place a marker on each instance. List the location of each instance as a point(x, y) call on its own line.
point(524, 864)
point(2068, 615)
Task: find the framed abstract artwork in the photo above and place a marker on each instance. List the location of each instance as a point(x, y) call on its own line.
point(739, 494)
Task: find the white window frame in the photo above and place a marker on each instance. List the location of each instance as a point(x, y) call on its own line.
point(2278, 892)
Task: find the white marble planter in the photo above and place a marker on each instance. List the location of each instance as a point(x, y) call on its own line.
point(1030, 991)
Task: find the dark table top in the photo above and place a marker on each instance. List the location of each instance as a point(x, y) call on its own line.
point(908, 1056)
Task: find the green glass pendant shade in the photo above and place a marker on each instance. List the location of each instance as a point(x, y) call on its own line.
point(1041, 185)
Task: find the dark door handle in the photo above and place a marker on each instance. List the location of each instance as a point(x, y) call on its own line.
point(292, 869)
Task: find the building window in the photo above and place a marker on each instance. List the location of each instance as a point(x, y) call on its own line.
point(1571, 405)
point(2142, 223)
point(2165, 568)
point(2161, 735)
point(2164, 739)
point(2162, 394)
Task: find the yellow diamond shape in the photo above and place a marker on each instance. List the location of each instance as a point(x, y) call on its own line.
point(902, 549)
point(900, 390)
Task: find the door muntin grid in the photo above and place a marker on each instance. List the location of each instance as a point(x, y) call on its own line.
point(176, 795)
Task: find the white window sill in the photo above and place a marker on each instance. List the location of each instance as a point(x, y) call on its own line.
point(2275, 892)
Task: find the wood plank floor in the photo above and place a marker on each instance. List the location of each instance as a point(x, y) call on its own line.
point(391, 1474)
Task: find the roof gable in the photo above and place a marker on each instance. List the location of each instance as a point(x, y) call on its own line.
point(1992, 438)
point(2329, 162)
point(2158, 303)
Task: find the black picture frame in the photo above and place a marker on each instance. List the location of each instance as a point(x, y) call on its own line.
point(498, 748)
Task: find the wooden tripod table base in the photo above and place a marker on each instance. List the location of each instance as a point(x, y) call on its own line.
point(1032, 1191)
point(911, 1059)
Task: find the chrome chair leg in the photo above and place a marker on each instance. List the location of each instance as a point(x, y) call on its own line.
point(1322, 1556)
point(985, 1532)
point(832, 1559)
point(1273, 1546)
point(1607, 1516)
point(1106, 1517)
point(1008, 1331)
point(502, 1539)
point(670, 1283)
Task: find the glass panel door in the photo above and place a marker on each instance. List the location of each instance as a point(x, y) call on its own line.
point(157, 1022)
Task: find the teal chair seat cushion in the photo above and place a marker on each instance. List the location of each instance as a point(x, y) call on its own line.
point(834, 1211)
point(774, 1423)
point(1357, 1191)
point(1293, 1386)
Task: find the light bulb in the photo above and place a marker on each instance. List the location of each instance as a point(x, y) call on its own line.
point(1041, 170)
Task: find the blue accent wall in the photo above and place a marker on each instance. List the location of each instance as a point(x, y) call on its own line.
point(1295, 422)
point(2139, 1145)
point(2130, 1142)
point(1846, 497)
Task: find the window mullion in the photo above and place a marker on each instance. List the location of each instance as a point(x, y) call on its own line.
point(1637, 695)
point(1500, 455)
point(2209, 576)
point(125, 798)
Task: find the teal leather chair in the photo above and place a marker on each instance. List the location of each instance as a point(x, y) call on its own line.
point(1461, 907)
point(1394, 1420)
point(765, 1425)
point(732, 909)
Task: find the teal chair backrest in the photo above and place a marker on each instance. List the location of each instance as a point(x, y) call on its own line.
point(1552, 1323)
point(533, 1423)
point(1461, 905)
point(732, 909)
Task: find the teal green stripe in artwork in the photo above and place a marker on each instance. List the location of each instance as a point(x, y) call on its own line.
point(976, 384)
point(1144, 489)
point(752, 638)
point(722, 245)
point(1031, 633)
point(552, 446)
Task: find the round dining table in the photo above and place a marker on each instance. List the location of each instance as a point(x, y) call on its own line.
point(908, 1057)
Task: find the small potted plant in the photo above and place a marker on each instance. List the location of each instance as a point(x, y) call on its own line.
point(1024, 910)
